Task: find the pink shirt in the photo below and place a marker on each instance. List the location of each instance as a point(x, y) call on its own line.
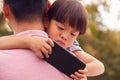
point(23, 64)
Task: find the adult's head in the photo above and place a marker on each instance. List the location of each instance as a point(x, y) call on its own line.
point(68, 19)
point(28, 12)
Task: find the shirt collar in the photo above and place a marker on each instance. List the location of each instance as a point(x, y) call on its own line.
point(37, 33)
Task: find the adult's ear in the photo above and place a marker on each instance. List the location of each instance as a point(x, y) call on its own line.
point(47, 8)
point(46, 20)
point(5, 9)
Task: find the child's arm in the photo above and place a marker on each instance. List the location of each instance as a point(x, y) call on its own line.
point(37, 44)
point(11, 42)
point(94, 67)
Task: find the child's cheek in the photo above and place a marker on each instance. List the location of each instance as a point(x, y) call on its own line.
point(52, 36)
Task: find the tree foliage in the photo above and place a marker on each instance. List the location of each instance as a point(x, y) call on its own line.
point(103, 44)
point(3, 28)
point(105, 47)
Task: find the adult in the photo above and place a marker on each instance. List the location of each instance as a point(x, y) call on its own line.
point(25, 19)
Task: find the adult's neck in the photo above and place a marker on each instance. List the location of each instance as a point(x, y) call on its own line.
point(18, 27)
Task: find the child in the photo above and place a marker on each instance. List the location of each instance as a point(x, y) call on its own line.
point(67, 20)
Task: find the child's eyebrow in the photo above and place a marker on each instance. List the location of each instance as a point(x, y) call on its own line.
point(61, 24)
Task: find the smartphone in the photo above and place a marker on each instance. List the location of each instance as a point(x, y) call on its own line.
point(64, 61)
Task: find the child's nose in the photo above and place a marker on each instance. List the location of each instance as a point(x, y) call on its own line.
point(64, 36)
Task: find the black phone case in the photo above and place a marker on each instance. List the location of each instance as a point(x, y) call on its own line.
point(63, 60)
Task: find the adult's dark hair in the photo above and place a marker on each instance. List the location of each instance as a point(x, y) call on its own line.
point(28, 10)
point(70, 12)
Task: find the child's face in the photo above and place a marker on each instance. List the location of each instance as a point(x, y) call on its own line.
point(63, 34)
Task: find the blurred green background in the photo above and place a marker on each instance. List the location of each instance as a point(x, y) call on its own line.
point(99, 40)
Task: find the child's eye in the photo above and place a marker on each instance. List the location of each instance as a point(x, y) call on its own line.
point(73, 34)
point(61, 28)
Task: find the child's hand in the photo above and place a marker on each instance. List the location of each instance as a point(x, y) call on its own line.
point(79, 75)
point(41, 46)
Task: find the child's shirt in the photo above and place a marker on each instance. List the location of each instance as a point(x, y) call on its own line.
point(75, 46)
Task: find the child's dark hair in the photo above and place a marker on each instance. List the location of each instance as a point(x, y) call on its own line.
point(27, 9)
point(70, 12)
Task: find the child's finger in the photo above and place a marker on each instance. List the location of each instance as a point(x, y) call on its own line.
point(83, 71)
point(73, 77)
point(48, 48)
point(39, 54)
point(50, 42)
point(45, 52)
point(79, 75)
